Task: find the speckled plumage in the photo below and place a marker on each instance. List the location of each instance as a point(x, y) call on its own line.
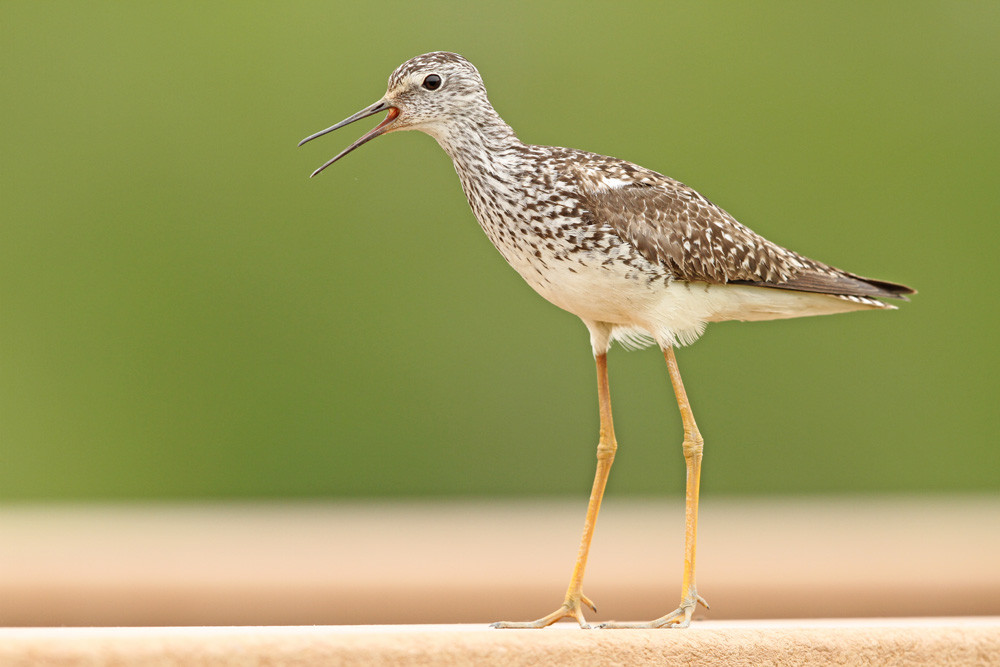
point(635, 254)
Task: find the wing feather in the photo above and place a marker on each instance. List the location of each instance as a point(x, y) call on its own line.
point(697, 241)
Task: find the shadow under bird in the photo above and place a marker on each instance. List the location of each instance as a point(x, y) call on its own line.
point(638, 256)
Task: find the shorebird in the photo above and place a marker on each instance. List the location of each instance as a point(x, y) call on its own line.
point(638, 256)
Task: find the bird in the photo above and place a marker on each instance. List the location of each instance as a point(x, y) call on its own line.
point(639, 257)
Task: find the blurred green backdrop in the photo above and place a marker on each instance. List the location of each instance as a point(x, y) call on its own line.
point(184, 314)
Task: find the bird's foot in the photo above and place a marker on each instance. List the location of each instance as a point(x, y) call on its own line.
point(678, 618)
point(571, 608)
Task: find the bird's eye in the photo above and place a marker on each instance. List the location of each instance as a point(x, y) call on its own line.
point(432, 82)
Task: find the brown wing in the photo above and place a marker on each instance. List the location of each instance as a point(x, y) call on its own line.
point(674, 226)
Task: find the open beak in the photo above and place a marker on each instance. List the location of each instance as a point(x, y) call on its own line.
point(381, 105)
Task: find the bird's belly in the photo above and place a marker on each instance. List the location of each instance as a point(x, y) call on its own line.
point(671, 311)
point(593, 292)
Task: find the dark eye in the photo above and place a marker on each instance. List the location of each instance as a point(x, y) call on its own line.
point(432, 82)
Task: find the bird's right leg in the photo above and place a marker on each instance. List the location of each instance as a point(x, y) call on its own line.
point(572, 606)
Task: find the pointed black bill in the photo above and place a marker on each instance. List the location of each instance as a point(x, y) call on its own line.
point(381, 105)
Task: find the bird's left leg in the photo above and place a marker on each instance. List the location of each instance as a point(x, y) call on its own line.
point(692, 446)
point(572, 606)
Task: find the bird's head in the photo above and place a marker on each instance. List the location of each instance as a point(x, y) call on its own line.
point(429, 93)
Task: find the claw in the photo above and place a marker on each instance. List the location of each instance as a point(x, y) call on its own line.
point(678, 618)
point(569, 609)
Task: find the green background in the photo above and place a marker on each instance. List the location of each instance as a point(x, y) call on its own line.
point(184, 314)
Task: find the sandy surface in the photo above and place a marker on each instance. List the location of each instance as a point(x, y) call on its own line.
point(942, 641)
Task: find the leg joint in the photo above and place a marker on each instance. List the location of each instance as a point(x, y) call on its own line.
point(693, 445)
point(606, 449)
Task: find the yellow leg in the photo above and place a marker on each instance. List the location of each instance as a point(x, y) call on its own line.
point(572, 606)
point(693, 445)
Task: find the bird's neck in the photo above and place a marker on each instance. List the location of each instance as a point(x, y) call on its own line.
point(479, 140)
point(491, 163)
